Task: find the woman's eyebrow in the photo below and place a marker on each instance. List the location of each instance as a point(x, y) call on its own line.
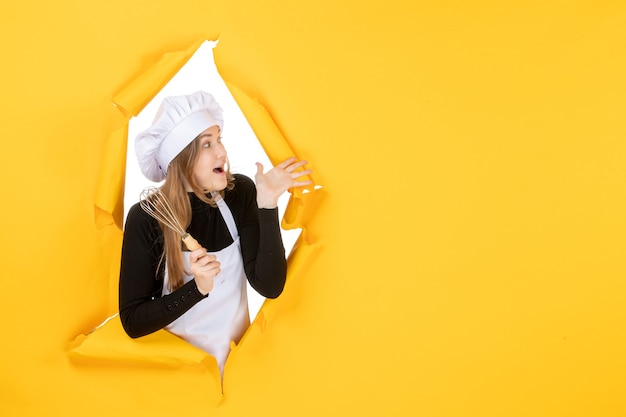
point(205, 134)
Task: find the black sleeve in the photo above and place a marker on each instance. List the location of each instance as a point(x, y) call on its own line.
point(142, 308)
point(261, 242)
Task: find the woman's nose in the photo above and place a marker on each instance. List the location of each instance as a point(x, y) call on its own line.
point(221, 151)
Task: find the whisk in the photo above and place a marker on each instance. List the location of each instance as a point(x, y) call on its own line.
point(153, 201)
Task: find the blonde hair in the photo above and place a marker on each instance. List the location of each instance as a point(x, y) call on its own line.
point(179, 178)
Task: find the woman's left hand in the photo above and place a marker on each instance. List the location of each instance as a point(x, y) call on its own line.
point(272, 184)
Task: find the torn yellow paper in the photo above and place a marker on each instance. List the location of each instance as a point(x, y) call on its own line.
point(142, 89)
point(110, 187)
point(108, 343)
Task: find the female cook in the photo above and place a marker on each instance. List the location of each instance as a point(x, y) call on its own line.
point(201, 295)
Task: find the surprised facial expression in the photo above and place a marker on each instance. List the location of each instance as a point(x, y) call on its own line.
point(209, 170)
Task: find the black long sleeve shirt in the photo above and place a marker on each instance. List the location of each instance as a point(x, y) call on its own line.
point(144, 310)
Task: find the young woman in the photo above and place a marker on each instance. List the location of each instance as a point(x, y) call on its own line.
point(201, 295)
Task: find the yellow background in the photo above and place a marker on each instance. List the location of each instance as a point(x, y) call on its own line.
point(469, 238)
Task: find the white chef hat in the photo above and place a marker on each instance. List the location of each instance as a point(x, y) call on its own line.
point(179, 120)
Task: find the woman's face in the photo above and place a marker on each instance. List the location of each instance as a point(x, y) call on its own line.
point(209, 170)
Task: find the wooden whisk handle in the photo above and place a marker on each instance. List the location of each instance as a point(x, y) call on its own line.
point(191, 243)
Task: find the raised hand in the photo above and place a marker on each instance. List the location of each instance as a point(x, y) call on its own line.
point(272, 184)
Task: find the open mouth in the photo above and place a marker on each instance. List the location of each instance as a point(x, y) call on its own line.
point(218, 170)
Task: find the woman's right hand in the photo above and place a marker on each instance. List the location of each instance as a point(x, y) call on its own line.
point(204, 268)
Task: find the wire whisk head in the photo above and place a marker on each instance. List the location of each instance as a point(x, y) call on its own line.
point(153, 201)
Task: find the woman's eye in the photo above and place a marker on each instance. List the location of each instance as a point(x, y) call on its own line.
point(206, 145)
